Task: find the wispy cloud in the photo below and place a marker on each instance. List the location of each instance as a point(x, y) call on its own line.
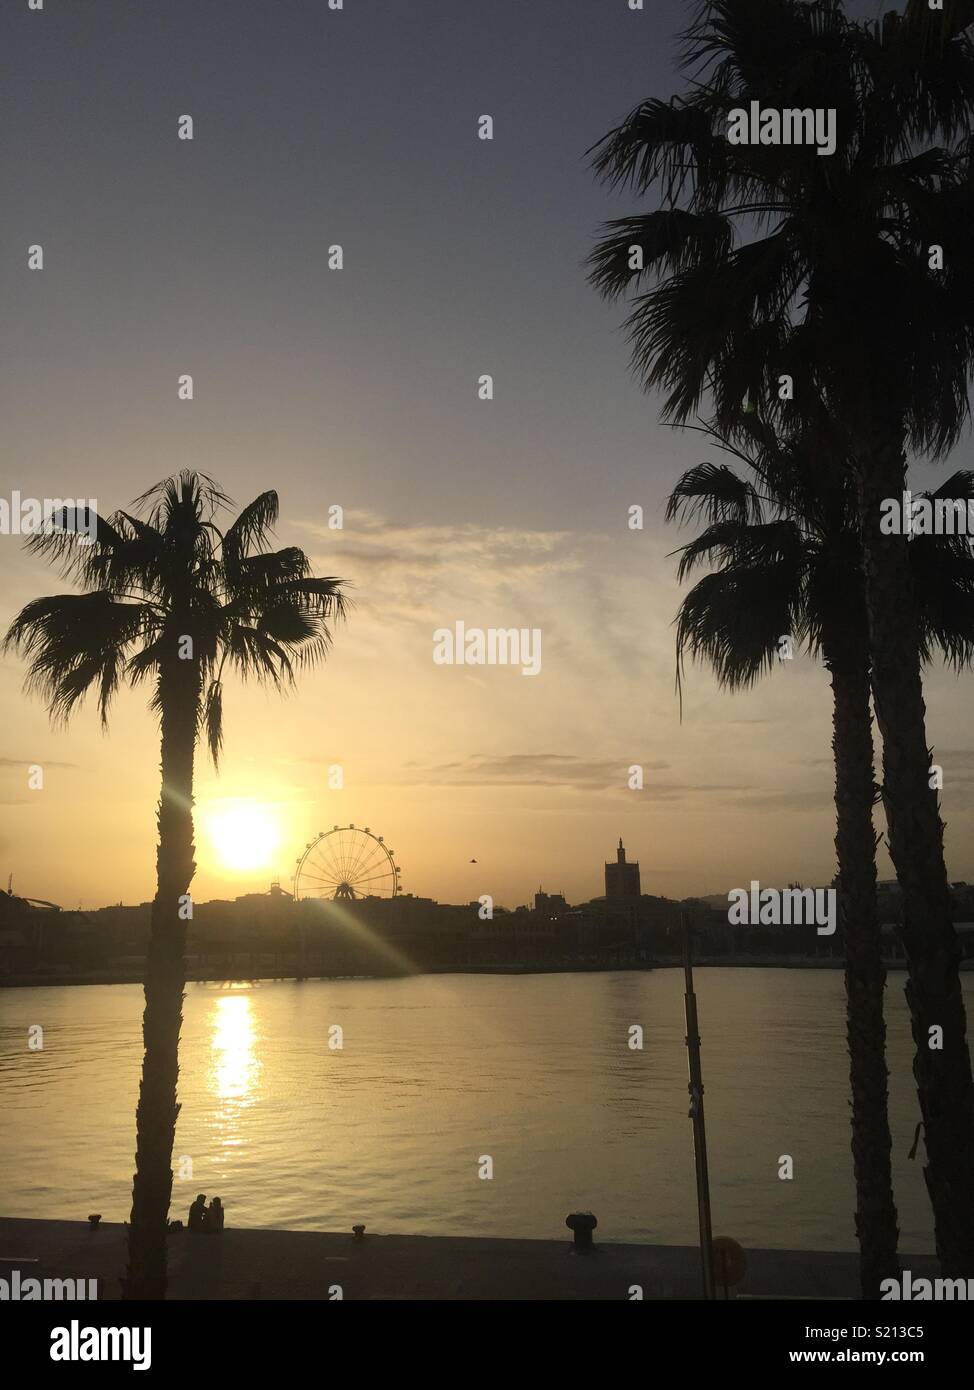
point(402, 570)
point(527, 769)
point(586, 591)
point(25, 762)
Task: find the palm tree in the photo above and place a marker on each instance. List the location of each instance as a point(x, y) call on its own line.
point(768, 263)
point(169, 597)
point(786, 548)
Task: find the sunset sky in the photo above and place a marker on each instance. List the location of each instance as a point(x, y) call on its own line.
point(359, 388)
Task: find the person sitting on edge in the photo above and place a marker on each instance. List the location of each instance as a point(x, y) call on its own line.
point(195, 1222)
point(214, 1216)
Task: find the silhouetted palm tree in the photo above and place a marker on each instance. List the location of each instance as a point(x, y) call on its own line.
point(785, 546)
point(773, 261)
point(168, 597)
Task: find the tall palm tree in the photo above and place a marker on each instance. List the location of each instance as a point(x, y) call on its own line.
point(785, 545)
point(170, 598)
point(768, 262)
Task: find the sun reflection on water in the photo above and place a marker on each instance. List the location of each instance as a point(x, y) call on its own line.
point(234, 1068)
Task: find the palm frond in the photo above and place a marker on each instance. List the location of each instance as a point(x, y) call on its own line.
point(73, 553)
point(669, 240)
point(74, 642)
point(250, 530)
point(185, 495)
point(734, 619)
point(716, 492)
point(213, 720)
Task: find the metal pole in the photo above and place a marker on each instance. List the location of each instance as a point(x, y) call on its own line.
point(695, 1088)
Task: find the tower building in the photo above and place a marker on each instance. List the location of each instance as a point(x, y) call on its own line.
point(621, 879)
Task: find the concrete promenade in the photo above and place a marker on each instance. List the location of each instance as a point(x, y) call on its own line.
point(260, 1264)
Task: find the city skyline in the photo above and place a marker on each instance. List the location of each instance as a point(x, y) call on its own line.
point(544, 891)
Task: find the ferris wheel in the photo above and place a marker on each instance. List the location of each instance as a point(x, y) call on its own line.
point(345, 863)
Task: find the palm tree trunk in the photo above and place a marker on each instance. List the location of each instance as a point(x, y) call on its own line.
point(179, 693)
point(916, 844)
point(865, 976)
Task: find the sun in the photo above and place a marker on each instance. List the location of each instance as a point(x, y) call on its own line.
point(243, 835)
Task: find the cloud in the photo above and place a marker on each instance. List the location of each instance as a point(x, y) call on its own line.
point(528, 769)
point(796, 800)
point(406, 570)
point(26, 762)
point(564, 770)
point(603, 604)
point(732, 723)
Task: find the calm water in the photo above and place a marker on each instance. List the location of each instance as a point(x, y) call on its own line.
point(437, 1071)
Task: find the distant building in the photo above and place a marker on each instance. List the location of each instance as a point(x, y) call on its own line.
point(550, 904)
point(621, 879)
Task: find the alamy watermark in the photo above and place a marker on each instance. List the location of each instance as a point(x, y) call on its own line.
point(926, 516)
point(788, 126)
point(29, 516)
point(17, 1289)
point(777, 907)
point(77, 1343)
point(926, 1290)
point(492, 646)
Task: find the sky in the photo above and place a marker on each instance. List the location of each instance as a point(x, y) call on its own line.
point(358, 388)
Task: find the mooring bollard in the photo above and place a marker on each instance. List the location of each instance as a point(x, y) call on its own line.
point(94, 1220)
point(358, 1232)
point(582, 1224)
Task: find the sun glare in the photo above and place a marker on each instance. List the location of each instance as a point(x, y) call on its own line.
point(243, 835)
